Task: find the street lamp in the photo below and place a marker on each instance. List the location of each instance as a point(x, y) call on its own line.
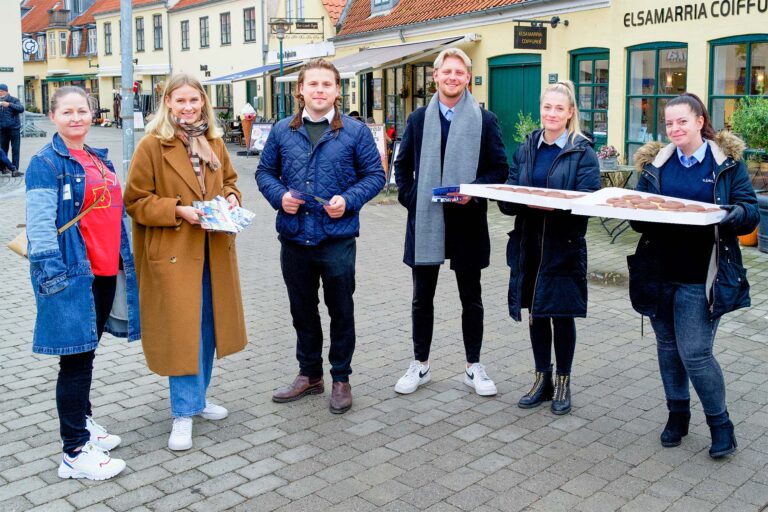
point(279, 27)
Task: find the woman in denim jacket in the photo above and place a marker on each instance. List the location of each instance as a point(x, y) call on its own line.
point(75, 275)
point(685, 277)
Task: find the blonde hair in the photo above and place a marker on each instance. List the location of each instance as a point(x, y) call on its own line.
point(567, 89)
point(163, 126)
point(453, 52)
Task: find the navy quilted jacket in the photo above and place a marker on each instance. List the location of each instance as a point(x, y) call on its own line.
point(9, 116)
point(344, 162)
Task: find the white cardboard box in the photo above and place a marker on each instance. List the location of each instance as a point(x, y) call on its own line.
point(594, 205)
point(497, 192)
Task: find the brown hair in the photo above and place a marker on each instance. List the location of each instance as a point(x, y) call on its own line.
point(316, 64)
point(65, 91)
point(698, 108)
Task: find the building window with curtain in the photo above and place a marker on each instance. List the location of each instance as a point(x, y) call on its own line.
point(185, 35)
point(139, 34)
point(157, 31)
point(249, 24)
point(226, 28)
point(108, 38)
point(40, 47)
point(656, 73)
point(52, 44)
point(62, 44)
point(738, 67)
point(76, 42)
point(91, 41)
point(289, 9)
point(204, 32)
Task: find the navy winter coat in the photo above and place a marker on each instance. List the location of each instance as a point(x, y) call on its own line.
point(729, 288)
point(9, 116)
point(467, 244)
point(344, 162)
point(561, 281)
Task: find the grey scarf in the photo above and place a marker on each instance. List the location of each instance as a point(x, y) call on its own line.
point(462, 153)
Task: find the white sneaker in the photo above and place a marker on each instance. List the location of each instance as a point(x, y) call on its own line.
point(475, 377)
point(213, 412)
point(181, 434)
point(99, 435)
point(91, 462)
point(416, 375)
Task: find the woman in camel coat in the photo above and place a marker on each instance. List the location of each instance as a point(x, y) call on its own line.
point(183, 159)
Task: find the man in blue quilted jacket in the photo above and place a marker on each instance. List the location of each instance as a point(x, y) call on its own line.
point(317, 170)
point(10, 128)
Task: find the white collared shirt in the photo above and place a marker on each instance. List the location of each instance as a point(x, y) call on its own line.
point(560, 141)
point(328, 116)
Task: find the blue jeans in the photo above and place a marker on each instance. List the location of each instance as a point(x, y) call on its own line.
point(188, 391)
point(684, 339)
point(303, 267)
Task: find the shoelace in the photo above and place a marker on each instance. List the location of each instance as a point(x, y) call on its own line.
point(182, 426)
point(97, 427)
point(414, 368)
point(480, 372)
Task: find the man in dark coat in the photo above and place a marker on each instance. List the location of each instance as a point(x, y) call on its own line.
point(455, 131)
point(10, 127)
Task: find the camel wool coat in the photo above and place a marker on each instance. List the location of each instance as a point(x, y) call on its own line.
point(169, 254)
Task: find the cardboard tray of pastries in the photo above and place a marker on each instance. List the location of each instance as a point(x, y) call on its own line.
point(544, 197)
point(619, 203)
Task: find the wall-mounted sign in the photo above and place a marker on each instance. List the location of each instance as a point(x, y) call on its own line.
point(29, 46)
point(6, 70)
point(695, 11)
point(552, 78)
point(306, 28)
point(478, 80)
point(530, 38)
point(306, 25)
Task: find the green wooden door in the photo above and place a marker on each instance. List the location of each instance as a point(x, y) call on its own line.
point(514, 86)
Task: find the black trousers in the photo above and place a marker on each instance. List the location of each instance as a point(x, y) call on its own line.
point(564, 330)
point(423, 310)
point(11, 137)
point(73, 387)
point(333, 262)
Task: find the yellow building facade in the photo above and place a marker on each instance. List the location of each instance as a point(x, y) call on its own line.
point(11, 65)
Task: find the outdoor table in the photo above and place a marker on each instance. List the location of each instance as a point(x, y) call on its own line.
point(618, 178)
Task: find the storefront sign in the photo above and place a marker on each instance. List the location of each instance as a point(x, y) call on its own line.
point(552, 78)
point(6, 70)
point(531, 38)
point(695, 11)
point(306, 25)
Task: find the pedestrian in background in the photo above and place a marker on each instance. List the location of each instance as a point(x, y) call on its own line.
point(547, 252)
point(78, 245)
point(320, 152)
point(185, 319)
point(10, 128)
point(450, 141)
point(686, 277)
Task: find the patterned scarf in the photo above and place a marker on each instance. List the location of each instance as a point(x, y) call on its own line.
point(198, 149)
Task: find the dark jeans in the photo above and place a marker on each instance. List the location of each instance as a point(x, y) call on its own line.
point(73, 387)
point(541, 330)
point(423, 310)
point(11, 137)
point(303, 267)
point(684, 339)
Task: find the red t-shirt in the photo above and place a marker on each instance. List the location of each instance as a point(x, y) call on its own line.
point(102, 225)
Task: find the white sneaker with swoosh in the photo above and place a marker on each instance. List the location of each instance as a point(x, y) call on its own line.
point(475, 377)
point(416, 375)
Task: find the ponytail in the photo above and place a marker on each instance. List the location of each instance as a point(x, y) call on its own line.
point(567, 89)
point(698, 108)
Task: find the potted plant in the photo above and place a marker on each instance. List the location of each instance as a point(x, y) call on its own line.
point(524, 125)
point(608, 157)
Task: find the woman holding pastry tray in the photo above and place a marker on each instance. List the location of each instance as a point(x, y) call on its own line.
point(189, 286)
point(546, 252)
point(686, 277)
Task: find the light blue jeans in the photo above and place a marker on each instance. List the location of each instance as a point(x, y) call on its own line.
point(188, 392)
point(684, 339)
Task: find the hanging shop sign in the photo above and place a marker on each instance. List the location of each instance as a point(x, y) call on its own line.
point(531, 38)
point(695, 11)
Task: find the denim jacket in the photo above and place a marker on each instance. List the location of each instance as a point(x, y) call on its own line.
point(58, 265)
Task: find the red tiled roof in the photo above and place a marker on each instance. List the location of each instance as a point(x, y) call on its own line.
point(36, 19)
point(408, 12)
point(190, 3)
point(334, 8)
point(87, 16)
point(102, 6)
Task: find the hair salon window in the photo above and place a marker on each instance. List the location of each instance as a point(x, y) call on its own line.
point(589, 73)
point(394, 101)
point(423, 85)
point(738, 66)
point(656, 73)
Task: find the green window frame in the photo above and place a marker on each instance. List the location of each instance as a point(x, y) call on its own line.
point(750, 80)
point(590, 76)
point(654, 91)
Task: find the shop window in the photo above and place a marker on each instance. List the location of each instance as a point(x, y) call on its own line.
point(656, 73)
point(289, 100)
point(424, 86)
point(738, 68)
point(394, 101)
point(589, 74)
point(224, 100)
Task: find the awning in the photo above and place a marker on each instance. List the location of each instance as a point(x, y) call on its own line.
point(248, 73)
point(385, 56)
point(69, 78)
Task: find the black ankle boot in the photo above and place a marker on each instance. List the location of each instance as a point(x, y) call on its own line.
point(723, 437)
point(541, 391)
point(677, 423)
point(561, 400)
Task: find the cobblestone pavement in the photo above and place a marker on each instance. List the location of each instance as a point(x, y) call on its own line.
point(442, 448)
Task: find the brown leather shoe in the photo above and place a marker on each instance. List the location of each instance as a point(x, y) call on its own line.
point(341, 397)
point(301, 386)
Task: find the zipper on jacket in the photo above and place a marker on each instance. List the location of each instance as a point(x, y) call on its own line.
point(717, 240)
point(538, 270)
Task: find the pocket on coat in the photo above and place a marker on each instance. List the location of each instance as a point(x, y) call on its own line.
point(644, 286)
